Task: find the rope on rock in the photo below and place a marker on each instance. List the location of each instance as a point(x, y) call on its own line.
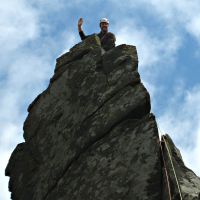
point(166, 172)
point(165, 167)
point(173, 168)
point(170, 157)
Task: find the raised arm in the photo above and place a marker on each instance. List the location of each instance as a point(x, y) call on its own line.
point(80, 30)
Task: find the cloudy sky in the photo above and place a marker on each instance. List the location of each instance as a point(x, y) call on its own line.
point(167, 35)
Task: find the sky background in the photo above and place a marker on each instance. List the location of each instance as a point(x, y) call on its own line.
point(167, 36)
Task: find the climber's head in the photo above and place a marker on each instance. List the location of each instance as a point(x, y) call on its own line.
point(104, 24)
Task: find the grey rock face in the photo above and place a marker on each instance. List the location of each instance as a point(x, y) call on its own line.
point(90, 134)
point(184, 184)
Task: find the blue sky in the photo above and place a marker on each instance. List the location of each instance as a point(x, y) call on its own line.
point(167, 36)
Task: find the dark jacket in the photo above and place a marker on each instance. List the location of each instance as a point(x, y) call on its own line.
point(107, 39)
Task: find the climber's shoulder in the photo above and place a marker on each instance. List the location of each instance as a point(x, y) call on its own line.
point(111, 36)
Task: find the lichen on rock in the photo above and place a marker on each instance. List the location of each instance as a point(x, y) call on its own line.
point(90, 134)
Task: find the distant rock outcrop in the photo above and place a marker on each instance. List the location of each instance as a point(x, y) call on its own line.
point(90, 135)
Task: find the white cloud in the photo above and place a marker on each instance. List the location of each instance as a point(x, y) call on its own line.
point(18, 22)
point(70, 40)
point(181, 120)
point(24, 81)
point(8, 132)
point(193, 26)
point(151, 49)
point(9, 138)
point(179, 14)
point(4, 155)
point(191, 158)
point(177, 17)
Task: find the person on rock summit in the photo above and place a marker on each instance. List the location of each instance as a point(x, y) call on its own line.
point(107, 38)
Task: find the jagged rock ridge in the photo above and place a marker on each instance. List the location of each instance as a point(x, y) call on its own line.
point(90, 134)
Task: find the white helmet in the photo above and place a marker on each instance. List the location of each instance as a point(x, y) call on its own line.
point(104, 20)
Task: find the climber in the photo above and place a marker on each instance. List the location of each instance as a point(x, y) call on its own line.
point(107, 38)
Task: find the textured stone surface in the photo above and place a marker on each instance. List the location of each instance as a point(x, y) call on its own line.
point(183, 182)
point(124, 164)
point(90, 134)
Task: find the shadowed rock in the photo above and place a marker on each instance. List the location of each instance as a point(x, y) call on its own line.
point(90, 135)
point(183, 182)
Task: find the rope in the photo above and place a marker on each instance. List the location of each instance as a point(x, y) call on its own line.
point(179, 189)
point(173, 169)
point(166, 173)
point(165, 166)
